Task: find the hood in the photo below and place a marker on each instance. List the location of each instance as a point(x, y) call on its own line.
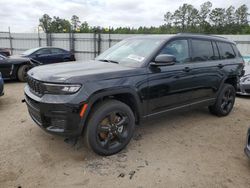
point(17, 59)
point(78, 71)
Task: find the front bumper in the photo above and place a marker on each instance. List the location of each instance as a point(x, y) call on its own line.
point(59, 119)
point(247, 148)
point(243, 89)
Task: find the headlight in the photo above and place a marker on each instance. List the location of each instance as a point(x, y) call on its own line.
point(61, 88)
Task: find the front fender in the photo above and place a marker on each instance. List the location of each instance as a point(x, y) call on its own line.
point(100, 94)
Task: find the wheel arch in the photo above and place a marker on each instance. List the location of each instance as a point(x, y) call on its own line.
point(125, 95)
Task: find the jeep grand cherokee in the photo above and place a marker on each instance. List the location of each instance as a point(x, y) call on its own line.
point(135, 79)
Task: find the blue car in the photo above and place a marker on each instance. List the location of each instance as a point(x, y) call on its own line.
point(1, 85)
point(48, 55)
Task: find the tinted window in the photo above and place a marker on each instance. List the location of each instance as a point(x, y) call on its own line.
point(216, 51)
point(226, 50)
point(43, 51)
point(56, 51)
point(236, 51)
point(178, 48)
point(202, 50)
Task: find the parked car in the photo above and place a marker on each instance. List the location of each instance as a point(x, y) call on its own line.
point(1, 85)
point(48, 55)
point(5, 52)
point(243, 87)
point(15, 68)
point(247, 148)
point(134, 80)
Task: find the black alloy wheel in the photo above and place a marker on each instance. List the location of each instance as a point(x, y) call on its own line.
point(110, 127)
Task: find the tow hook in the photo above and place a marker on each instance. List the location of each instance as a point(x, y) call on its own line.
point(23, 100)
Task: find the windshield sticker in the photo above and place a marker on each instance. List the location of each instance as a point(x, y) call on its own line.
point(136, 57)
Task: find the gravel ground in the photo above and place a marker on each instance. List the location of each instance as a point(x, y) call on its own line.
point(183, 149)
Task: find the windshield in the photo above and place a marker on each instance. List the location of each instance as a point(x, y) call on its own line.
point(30, 51)
point(130, 51)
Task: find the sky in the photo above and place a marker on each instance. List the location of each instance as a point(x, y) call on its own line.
point(23, 15)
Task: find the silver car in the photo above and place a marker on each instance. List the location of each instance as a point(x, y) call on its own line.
point(244, 83)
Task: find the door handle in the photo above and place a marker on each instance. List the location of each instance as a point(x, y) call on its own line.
point(220, 66)
point(186, 69)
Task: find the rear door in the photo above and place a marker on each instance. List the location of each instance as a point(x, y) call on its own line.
point(206, 69)
point(57, 55)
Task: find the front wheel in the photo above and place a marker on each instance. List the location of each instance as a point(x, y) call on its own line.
point(224, 102)
point(22, 72)
point(110, 127)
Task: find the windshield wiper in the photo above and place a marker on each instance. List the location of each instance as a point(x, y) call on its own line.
point(108, 60)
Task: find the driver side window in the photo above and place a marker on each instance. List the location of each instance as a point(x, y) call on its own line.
point(43, 51)
point(177, 48)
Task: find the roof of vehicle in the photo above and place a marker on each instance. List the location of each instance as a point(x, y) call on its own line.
point(188, 35)
point(49, 47)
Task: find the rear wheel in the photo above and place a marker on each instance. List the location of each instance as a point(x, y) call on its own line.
point(110, 127)
point(224, 102)
point(22, 72)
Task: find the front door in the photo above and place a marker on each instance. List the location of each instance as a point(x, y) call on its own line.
point(171, 86)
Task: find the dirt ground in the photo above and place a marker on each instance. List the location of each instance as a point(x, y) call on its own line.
point(190, 148)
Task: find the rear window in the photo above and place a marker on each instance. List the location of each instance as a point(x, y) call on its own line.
point(56, 51)
point(236, 51)
point(202, 50)
point(226, 50)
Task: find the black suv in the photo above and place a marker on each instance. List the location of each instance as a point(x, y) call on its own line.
point(135, 79)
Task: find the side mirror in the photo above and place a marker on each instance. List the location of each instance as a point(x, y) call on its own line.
point(163, 60)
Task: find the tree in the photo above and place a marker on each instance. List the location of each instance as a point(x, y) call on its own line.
point(45, 23)
point(230, 16)
point(217, 17)
point(241, 15)
point(84, 28)
point(75, 22)
point(168, 18)
point(59, 25)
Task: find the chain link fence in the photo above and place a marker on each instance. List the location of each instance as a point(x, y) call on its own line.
point(85, 46)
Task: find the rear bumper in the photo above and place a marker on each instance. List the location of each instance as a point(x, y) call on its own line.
point(59, 119)
point(247, 148)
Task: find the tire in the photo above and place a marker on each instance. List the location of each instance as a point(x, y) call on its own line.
point(224, 102)
point(22, 73)
point(106, 139)
point(66, 60)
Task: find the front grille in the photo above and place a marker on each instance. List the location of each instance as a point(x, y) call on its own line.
point(35, 86)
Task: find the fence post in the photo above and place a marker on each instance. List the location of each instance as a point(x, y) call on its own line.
point(39, 38)
point(48, 39)
point(99, 43)
point(94, 39)
point(11, 46)
point(109, 38)
point(72, 41)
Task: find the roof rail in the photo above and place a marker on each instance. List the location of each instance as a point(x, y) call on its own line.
point(201, 34)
